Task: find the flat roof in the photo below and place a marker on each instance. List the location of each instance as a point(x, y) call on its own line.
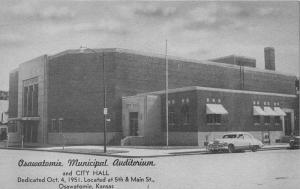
point(233, 55)
point(170, 57)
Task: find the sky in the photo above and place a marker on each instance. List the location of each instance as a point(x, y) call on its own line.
point(194, 29)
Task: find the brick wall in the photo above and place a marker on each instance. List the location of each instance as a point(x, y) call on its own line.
point(139, 72)
point(240, 108)
point(75, 84)
point(76, 91)
point(178, 101)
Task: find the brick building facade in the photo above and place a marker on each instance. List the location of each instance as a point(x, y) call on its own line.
point(66, 91)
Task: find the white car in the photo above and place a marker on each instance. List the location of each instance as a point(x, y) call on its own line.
point(232, 142)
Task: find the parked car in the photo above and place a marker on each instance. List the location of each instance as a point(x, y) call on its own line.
point(294, 142)
point(232, 142)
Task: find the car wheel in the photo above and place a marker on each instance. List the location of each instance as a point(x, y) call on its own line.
point(254, 148)
point(230, 148)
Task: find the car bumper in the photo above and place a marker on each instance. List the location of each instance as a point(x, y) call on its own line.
point(216, 147)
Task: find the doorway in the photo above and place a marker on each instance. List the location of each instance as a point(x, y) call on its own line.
point(30, 131)
point(133, 123)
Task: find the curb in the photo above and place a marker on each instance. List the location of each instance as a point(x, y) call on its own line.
point(82, 153)
point(201, 151)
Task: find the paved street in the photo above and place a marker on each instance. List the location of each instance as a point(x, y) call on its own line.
point(263, 169)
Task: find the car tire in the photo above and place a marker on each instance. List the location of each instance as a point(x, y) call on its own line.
point(231, 148)
point(254, 148)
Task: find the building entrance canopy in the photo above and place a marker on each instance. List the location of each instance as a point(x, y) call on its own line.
point(215, 109)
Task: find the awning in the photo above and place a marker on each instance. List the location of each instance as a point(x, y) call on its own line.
point(269, 112)
point(279, 111)
point(215, 109)
point(258, 111)
point(15, 119)
point(30, 118)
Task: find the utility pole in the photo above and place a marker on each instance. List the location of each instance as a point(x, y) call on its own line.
point(104, 100)
point(167, 97)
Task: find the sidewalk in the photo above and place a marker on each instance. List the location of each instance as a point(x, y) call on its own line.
point(134, 151)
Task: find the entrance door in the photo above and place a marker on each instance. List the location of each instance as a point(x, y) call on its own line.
point(133, 123)
point(30, 130)
point(288, 124)
point(3, 133)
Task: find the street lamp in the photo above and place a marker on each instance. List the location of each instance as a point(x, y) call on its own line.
point(82, 49)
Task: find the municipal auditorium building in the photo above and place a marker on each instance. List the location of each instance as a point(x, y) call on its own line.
point(60, 97)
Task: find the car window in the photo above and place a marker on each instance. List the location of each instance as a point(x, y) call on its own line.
point(229, 136)
point(241, 136)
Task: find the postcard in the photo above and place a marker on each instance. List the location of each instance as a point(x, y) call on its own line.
point(149, 94)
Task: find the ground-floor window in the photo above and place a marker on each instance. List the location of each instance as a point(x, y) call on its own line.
point(267, 119)
point(256, 119)
point(186, 115)
point(187, 118)
point(213, 118)
point(171, 118)
point(54, 125)
point(60, 124)
point(277, 120)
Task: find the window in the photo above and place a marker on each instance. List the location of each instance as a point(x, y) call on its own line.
point(54, 126)
point(256, 119)
point(171, 118)
point(213, 118)
point(30, 97)
point(229, 136)
point(267, 119)
point(35, 100)
point(187, 117)
point(277, 120)
point(60, 124)
point(30, 100)
point(186, 114)
point(240, 136)
point(25, 104)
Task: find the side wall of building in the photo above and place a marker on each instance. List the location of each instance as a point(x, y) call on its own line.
point(140, 73)
point(239, 105)
point(75, 94)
